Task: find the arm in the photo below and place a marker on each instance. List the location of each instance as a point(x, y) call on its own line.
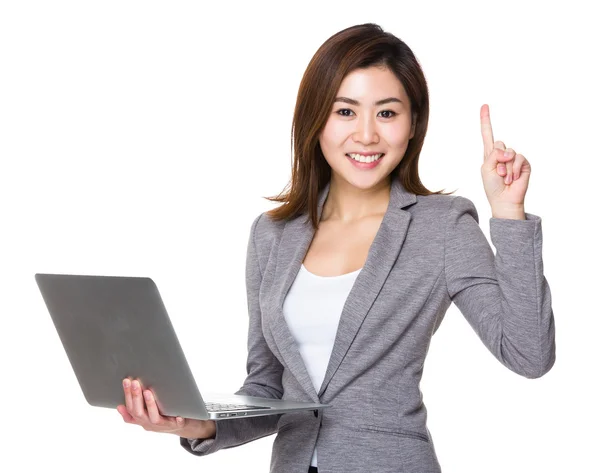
point(264, 374)
point(505, 297)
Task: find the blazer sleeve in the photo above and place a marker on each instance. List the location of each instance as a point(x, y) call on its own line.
point(505, 297)
point(263, 373)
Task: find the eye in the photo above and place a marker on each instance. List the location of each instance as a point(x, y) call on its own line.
point(341, 110)
point(391, 112)
point(346, 112)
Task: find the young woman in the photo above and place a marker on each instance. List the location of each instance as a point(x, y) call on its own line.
point(348, 280)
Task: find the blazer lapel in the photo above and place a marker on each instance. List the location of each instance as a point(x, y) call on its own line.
point(295, 241)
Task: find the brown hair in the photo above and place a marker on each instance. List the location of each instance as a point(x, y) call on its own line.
point(357, 47)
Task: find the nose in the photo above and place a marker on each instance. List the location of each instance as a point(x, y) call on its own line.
point(366, 131)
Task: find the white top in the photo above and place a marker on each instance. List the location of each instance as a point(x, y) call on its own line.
point(312, 310)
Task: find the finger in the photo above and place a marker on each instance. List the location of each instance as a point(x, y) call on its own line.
point(153, 413)
point(510, 155)
point(486, 130)
point(494, 161)
point(518, 165)
point(504, 158)
point(180, 421)
point(509, 173)
point(126, 416)
point(128, 397)
point(139, 410)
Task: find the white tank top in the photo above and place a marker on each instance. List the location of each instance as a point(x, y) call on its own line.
point(312, 310)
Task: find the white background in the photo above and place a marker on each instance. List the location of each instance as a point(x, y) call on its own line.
point(138, 138)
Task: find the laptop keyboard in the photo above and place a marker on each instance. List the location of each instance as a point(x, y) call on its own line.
point(217, 406)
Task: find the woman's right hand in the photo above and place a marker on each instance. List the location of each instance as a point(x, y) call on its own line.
point(140, 408)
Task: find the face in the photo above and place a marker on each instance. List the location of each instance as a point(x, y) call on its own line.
point(368, 130)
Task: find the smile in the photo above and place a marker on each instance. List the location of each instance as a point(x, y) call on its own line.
point(365, 159)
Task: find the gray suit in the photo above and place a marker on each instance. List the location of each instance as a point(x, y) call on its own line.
point(428, 252)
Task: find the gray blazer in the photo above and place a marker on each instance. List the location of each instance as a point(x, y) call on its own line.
point(428, 252)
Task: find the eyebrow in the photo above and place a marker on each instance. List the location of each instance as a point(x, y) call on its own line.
point(356, 102)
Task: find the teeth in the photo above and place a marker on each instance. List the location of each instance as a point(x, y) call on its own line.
point(365, 159)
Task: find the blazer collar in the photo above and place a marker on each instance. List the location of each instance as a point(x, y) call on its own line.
point(295, 241)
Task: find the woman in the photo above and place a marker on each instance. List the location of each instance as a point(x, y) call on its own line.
point(348, 280)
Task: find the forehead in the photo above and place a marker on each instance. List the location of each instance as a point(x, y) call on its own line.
point(371, 82)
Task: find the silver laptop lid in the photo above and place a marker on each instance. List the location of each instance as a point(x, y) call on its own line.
point(116, 327)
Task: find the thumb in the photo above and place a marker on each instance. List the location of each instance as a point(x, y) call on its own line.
point(494, 159)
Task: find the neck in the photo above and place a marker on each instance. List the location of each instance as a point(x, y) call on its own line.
point(347, 203)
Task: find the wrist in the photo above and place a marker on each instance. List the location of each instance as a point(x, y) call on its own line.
point(515, 212)
point(205, 430)
point(209, 431)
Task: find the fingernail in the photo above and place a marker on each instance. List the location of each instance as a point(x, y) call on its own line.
point(125, 383)
point(506, 154)
point(147, 395)
point(502, 168)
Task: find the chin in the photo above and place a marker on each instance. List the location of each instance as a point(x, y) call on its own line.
point(365, 182)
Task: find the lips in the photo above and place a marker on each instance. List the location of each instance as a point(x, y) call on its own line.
point(365, 165)
point(363, 157)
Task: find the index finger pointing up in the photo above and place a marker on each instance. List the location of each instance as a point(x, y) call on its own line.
point(486, 130)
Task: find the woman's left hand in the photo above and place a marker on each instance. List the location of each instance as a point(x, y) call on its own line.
point(505, 178)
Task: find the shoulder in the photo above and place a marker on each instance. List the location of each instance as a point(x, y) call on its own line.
point(441, 201)
point(265, 231)
point(444, 208)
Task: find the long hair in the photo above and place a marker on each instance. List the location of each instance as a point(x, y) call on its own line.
point(356, 47)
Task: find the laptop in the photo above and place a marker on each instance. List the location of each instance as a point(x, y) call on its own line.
point(116, 327)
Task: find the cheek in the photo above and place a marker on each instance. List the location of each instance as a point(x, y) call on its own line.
point(334, 134)
point(396, 137)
